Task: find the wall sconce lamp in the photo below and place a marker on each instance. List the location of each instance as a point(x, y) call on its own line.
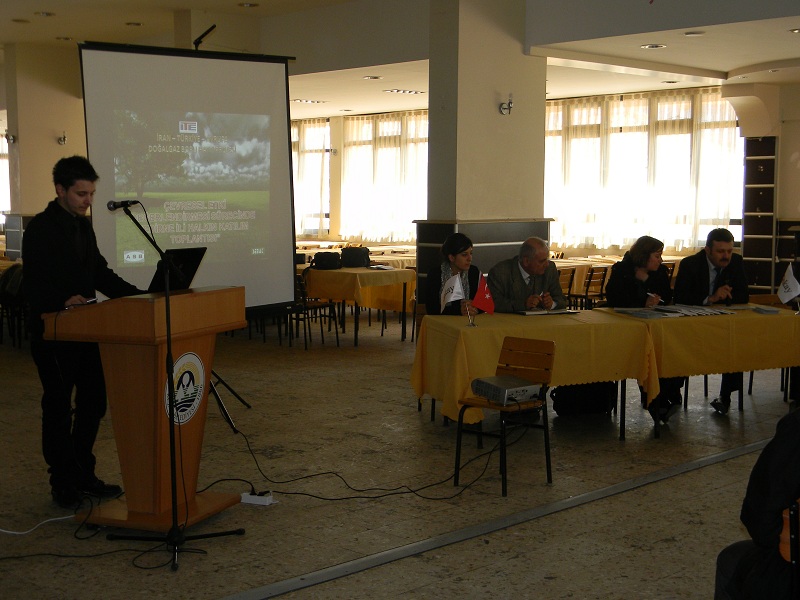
point(505, 107)
point(10, 138)
point(63, 139)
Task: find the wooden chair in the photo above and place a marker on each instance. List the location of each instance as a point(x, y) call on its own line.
point(531, 360)
point(593, 288)
point(789, 545)
point(307, 309)
point(13, 307)
point(566, 277)
point(670, 266)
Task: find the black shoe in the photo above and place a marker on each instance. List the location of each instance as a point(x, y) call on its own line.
point(67, 497)
point(657, 415)
point(671, 410)
point(721, 405)
point(101, 489)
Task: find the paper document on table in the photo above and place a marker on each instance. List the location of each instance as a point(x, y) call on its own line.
point(766, 310)
point(382, 267)
point(687, 310)
point(555, 311)
point(646, 313)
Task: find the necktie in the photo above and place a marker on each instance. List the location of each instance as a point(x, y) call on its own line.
point(716, 282)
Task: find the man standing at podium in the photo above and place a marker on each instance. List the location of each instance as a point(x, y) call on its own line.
point(63, 268)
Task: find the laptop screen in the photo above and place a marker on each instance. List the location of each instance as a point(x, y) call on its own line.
point(187, 261)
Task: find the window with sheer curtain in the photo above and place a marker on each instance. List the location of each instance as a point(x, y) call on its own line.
point(311, 174)
point(665, 164)
point(385, 176)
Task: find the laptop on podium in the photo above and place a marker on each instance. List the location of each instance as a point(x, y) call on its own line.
point(187, 260)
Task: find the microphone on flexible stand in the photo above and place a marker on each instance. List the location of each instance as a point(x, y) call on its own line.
point(115, 204)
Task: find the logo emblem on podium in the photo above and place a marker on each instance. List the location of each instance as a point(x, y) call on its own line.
point(189, 376)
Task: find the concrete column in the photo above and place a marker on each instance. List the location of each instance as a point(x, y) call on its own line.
point(483, 164)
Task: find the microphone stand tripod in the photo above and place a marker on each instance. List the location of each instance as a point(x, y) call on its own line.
point(175, 537)
point(225, 414)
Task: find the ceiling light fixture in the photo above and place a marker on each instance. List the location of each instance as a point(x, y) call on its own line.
point(652, 46)
point(303, 101)
point(395, 91)
point(63, 38)
point(248, 4)
point(372, 77)
point(44, 13)
point(795, 30)
point(20, 21)
point(133, 24)
point(694, 33)
point(669, 81)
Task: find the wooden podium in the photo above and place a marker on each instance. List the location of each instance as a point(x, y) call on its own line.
point(132, 335)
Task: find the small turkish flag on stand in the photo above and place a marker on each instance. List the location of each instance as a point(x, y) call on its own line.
point(483, 297)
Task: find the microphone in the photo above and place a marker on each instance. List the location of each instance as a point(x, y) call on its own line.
point(115, 204)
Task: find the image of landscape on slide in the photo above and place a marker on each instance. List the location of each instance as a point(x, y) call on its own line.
point(203, 179)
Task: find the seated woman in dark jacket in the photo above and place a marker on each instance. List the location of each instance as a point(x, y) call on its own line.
point(640, 279)
point(457, 260)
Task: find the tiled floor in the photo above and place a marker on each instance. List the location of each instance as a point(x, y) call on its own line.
point(643, 518)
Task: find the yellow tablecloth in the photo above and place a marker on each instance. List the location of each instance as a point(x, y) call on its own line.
point(743, 341)
point(373, 288)
point(398, 261)
point(590, 346)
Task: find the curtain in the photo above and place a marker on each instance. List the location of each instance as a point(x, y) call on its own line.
point(665, 164)
point(311, 172)
point(385, 176)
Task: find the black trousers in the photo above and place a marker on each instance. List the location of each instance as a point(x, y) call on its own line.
point(69, 434)
point(747, 572)
point(731, 382)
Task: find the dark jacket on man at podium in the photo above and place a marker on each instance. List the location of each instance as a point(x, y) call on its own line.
point(61, 259)
point(692, 280)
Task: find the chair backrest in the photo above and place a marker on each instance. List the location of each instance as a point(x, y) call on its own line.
point(767, 300)
point(300, 287)
point(594, 284)
point(566, 275)
point(11, 284)
point(670, 266)
point(789, 544)
point(528, 358)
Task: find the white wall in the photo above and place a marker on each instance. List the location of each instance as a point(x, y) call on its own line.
point(355, 34)
point(550, 22)
point(44, 100)
point(789, 154)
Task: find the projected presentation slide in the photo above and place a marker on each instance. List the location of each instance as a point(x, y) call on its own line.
point(202, 178)
point(202, 141)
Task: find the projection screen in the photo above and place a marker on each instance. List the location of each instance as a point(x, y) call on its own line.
point(201, 140)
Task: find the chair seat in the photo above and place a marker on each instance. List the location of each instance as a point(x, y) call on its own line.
point(514, 407)
point(529, 359)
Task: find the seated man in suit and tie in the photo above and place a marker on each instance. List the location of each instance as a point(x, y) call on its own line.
point(527, 281)
point(714, 275)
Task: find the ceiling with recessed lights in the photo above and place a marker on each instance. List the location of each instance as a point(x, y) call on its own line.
point(755, 52)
